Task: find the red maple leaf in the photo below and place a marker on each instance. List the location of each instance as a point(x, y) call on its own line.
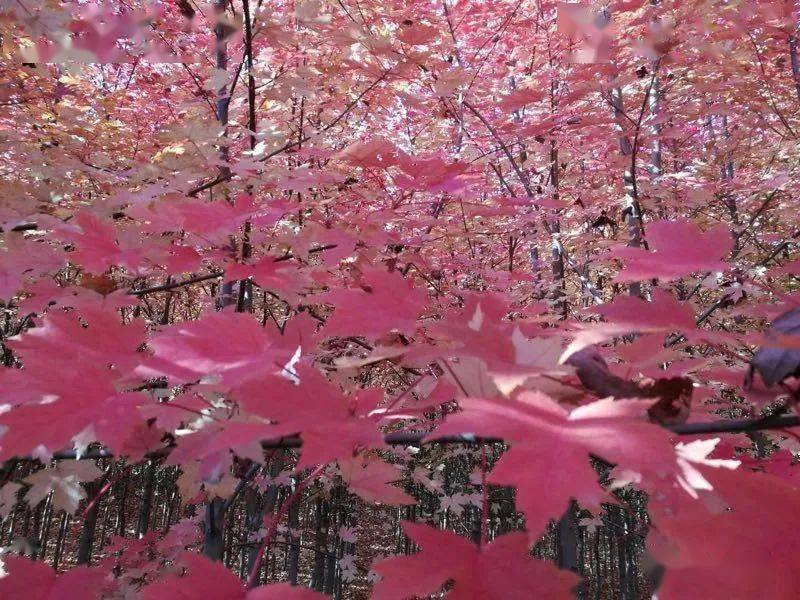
point(550, 448)
point(384, 302)
point(502, 570)
point(332, 425)
point(202, 578)
point(192, 351)
point(679, 248)
point(29, 580)
point(73, 370)
point(736, 541)
point(371, 479)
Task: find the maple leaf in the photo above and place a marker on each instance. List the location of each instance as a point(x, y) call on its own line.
point(347, 534)
point(331, 425)
point(662, 312)
point(554, 446)
point(8, 498)
point(371, 479)
point(88, 407)
point(267, 273)
point(22, 259)
point(203, 578)
point(29, 580)
point(73, 367)
point(628, 314)
point(209, 222)
point(679, 247)
point(99, 246)
point(195, 350)
point(477, 330)
point(213, 445)
point(775, 363)
point(494, 356)
point(501, 570)
point(384, 302)
point(723, 545)
point(64, 480)
point(91, 338)
point(417, 34)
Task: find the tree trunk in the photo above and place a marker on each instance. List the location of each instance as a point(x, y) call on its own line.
point(121, 521)
point(143, 524)
point(567, 535)
point(47, 519)
point(214, 530)
point(62, 536)
point(320, 545)
point(173, 499)
point(86, 540)
point(294, 543)
point(795, 64)
point(630, 208)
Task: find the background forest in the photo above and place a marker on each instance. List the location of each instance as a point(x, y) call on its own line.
point(374, 298)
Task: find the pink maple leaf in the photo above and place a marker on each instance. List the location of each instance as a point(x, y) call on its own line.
point(628, 314)
point(281, 278)
point(502, 570)
point(203, 578)
point(723, 545)
point(22, 259)
point(99, 246)
point(371, 479)
point(73, 369)
point(550, 448)
point(230, 346)
point(29, 580)
point(333, 426)
point(384, 302)
point(679, 248)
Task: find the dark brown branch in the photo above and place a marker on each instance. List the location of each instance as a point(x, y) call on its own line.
point(289, 255)
point(22, 227)
point(520, 175)
point(200, 278)
point(171, 286)
point(416, 438)
point(222, 178)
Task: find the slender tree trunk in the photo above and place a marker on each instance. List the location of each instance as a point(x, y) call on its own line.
point(254, 515)
point(46, 521)
point(101, 540)
point(331, 569)
point(795, 64)
point(567, 539)
point(293, 567)
point(727, 174)
point(557, 251)
point(121, 521)
point(656, 160)
point(320, 545)
point(143, 523)
point(86, 539)
point(598, 565)
point(257, 507)
point(62, 536)
point(214, 524)
point(626, 584)
point(630, 209)
point(173, 499)
point(214, 529)
point(245, 300)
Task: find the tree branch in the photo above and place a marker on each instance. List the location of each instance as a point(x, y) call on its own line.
point(417, 438)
